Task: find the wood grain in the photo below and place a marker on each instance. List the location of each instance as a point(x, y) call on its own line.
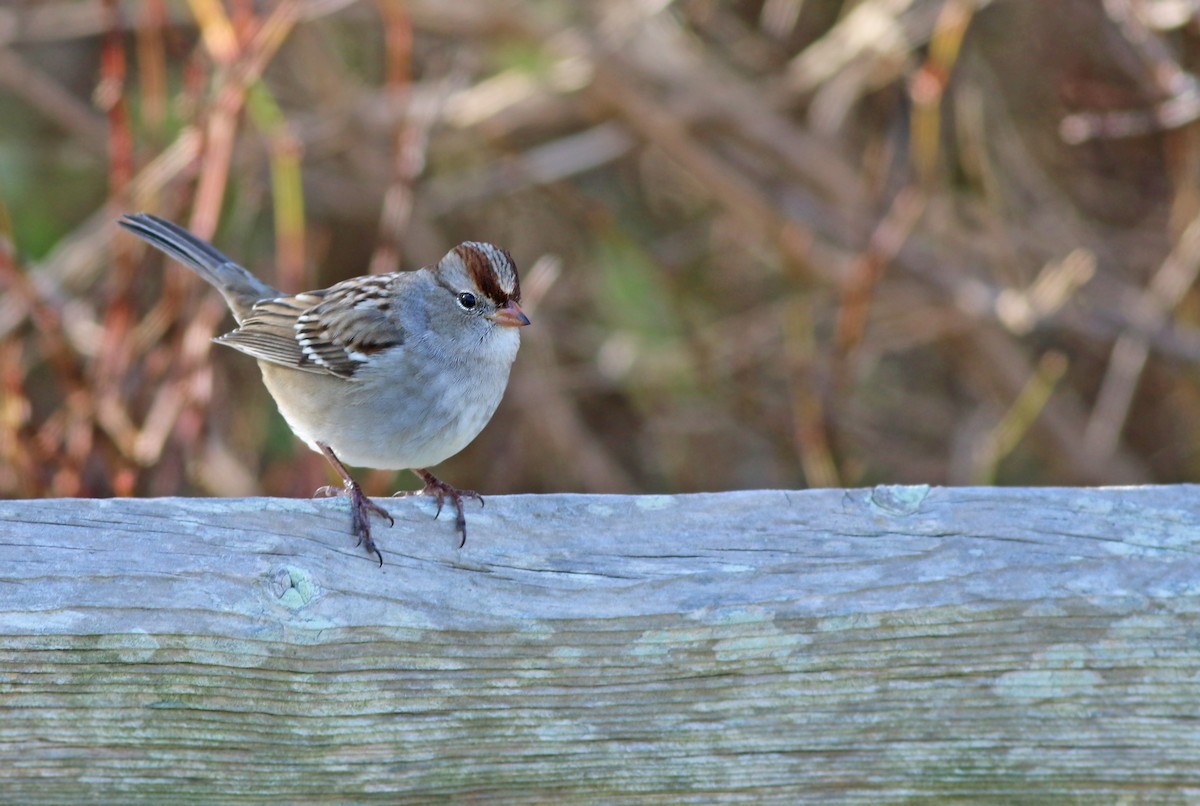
point(888, 645)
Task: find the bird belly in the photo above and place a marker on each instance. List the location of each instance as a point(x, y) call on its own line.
point(390, 424)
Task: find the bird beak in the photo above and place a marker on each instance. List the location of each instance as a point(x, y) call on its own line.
point(510, 316)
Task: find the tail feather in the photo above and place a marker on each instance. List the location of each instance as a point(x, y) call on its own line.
point(240, 288)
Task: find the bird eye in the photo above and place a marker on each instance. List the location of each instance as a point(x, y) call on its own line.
point(466, 300)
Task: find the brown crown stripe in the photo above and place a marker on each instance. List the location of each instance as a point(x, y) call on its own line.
point(483, 273)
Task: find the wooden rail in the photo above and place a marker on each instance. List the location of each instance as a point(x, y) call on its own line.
point(888, 645)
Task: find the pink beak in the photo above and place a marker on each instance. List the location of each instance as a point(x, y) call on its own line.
point(510, 316)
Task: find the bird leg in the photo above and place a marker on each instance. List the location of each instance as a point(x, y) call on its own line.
point(361, 506)
point(441, 490)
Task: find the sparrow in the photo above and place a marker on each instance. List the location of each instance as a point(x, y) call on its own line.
point(390, 371)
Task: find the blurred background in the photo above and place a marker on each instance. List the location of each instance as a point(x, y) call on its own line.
point(764, 243)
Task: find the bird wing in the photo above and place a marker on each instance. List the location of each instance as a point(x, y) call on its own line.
point(331, 332)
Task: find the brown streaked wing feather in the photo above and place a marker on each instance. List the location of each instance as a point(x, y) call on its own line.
point(332, 331)
point(353, 321)
point(342, 338)
point(269, 332)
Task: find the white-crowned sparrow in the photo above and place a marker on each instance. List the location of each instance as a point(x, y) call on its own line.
point(392, 371)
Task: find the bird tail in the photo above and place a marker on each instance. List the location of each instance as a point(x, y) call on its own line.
point(240, 288)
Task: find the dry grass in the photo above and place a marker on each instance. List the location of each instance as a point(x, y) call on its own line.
point(766, 244)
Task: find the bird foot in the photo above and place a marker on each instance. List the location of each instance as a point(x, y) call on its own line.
point(441, 491)
point(361, 508)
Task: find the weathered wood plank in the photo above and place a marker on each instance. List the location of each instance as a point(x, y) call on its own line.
point(874, 646)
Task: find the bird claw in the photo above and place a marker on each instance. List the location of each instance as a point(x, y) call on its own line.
point(361, 508)
point(441, 491)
